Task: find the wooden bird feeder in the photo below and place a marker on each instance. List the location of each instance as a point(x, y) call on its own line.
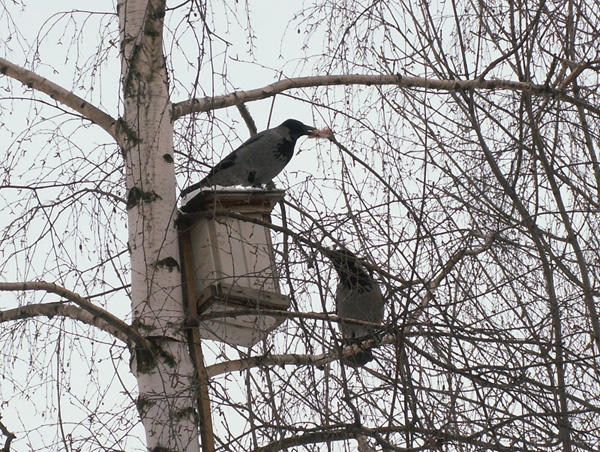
point(229, 264)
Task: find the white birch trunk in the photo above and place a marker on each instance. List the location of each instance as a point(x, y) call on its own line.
point(166, 400)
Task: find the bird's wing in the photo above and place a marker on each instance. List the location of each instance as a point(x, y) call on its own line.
point(255, 155)
point(223, 164)
point(239, 156)
point(259, 153)
point(245, 151)
point(252, 139)
point(263, 141)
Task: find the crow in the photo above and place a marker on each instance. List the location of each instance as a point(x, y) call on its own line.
point(357, 297)
point(257, 161)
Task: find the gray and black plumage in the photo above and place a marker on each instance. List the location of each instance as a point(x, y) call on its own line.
point(257, 161)
point(358, 297)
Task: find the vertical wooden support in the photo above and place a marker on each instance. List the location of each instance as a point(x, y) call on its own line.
point(203, 399)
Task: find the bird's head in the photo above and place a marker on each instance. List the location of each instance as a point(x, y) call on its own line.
point(347, 265)
point(341, 258)
point(297, 128)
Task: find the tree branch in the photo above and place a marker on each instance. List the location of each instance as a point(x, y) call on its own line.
point(434, 438)
point(64, 310)
point(247, 117)
point(126, 331)
point(237, 98)
point(114, 197)
point(446, 269)
point(278, 313)
point(9, 437)
point(60, 94)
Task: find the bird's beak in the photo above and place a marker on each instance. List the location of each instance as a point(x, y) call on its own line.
point(311, 131)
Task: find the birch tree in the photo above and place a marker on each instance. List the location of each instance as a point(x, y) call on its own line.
point(463, 172)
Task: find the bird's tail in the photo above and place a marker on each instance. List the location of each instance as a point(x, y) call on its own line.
point(191, 188)
point(358, 359)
